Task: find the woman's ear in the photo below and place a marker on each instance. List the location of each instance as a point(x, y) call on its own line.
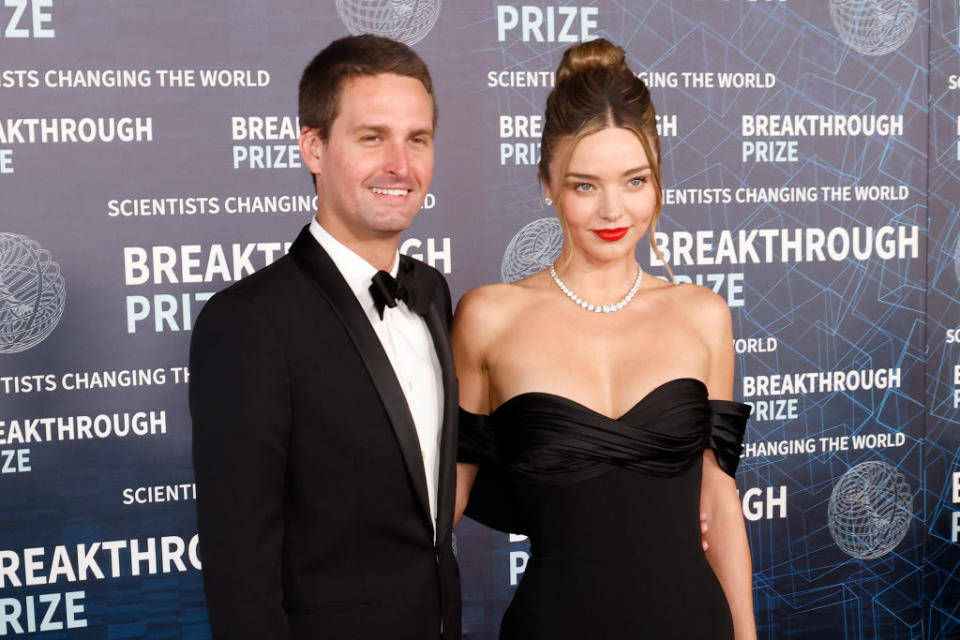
point(547, 195)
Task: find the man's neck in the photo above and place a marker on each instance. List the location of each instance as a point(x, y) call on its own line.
point(378, 251)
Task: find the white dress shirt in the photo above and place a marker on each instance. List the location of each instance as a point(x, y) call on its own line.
point(409, 347)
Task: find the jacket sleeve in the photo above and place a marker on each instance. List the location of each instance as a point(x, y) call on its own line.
point(239, 403)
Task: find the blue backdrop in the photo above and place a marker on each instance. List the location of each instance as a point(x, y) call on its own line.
point(148, 158)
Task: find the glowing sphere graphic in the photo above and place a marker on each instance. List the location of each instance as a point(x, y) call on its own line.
point(405, 20)
point(32, 293)
point(534, 248)
point(874, 27)
point(870, 510)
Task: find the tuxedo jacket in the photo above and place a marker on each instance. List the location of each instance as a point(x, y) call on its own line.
point(312, 500)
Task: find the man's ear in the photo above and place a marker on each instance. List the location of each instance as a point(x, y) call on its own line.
point(311, 149)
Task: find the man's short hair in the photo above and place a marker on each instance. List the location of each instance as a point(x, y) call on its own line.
point(365, 55)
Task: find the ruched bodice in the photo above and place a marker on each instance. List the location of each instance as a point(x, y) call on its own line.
point(611, 507)
point(560, 440)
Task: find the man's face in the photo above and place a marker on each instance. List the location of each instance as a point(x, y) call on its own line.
point(374, 169)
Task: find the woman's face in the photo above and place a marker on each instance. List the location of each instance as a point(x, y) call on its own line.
point(607, 194)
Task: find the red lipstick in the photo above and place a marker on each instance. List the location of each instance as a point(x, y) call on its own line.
point(611, 235)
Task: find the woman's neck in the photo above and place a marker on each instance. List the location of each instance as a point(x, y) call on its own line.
point(598, 281)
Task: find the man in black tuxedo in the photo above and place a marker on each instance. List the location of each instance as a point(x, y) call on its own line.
point(322, 387)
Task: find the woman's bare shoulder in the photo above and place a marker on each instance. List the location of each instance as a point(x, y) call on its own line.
point(695, 304)
point(496, 300)
point(487, 310)
point(487, 299)
point(688, 296)
point(708, 311)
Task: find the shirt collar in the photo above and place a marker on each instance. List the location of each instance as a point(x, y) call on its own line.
point(355, 270)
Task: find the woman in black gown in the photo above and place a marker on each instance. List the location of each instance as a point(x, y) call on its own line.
point(601, 397)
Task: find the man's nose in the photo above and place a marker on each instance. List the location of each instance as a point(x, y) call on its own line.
point(395, 162)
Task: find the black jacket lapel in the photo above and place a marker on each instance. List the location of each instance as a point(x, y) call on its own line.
point(437, 322)
point(311, 257)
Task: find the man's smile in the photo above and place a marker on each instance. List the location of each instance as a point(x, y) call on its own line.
point(390, 192)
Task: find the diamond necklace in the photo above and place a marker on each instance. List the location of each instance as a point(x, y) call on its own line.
point(599, 308)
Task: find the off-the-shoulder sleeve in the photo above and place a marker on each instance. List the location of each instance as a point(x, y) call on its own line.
point(493, 501)
point(728, 421)
point(477, 443)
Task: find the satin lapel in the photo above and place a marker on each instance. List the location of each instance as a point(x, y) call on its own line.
point(321, 270)
point(447, 482)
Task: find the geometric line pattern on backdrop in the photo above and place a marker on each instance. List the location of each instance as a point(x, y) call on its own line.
point(942, 443)
point(956, 259)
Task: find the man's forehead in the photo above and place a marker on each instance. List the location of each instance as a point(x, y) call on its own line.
point(384, 86)
point(385, 101)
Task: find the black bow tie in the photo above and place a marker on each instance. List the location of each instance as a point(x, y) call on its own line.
point(410, 285)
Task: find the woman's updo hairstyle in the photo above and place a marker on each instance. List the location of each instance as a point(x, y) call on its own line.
point(596, 90)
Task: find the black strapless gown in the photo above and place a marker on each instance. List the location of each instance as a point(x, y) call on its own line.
point(611, 508)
